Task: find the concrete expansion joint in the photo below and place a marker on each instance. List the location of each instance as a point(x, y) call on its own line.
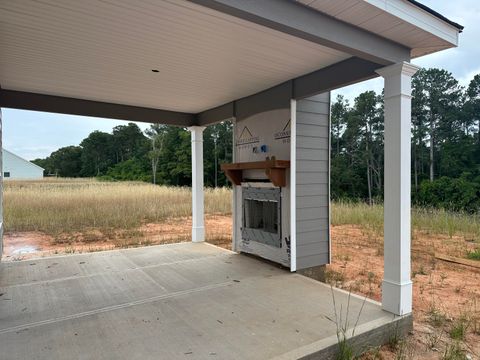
point(115, 307)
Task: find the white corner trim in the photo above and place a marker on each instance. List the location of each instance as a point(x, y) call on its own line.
point(329, 177)
point(293, 185)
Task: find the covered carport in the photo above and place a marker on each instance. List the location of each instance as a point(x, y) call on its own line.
point(191, 64)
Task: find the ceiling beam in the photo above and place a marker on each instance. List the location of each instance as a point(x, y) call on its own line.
point(296, 19)
point(71, 106)
point(216, 115)
point(343, 73)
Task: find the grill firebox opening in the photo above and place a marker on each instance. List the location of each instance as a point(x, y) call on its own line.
point(261, 215)
point(261, 221)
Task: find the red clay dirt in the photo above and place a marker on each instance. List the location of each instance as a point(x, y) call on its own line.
point(28, 245)
point(445, 294)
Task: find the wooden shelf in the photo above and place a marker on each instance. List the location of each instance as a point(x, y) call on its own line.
point(274, 169)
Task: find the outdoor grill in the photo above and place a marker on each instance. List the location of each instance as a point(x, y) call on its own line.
point(280, 178)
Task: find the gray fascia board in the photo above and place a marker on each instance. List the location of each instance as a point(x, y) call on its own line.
point(277, 97)
point(343, 73)
point(72, 106)
point(298, 20)
point(216, 115)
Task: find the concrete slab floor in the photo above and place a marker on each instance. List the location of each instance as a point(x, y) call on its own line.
point(178, 301)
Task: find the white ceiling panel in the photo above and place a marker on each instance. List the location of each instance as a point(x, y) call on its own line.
point(105, 50)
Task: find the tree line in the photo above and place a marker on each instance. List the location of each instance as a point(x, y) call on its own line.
point(445, 148)
point(160, 155)
point(445, 143)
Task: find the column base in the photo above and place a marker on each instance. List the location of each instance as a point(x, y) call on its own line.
point(396, 297)
point(198, 234)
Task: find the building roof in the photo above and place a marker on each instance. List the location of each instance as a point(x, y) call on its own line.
point(406, 22)
point(437, 14)
point(21, 158)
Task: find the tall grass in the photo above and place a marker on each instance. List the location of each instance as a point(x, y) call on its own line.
point(435, 221)
point(68, 205)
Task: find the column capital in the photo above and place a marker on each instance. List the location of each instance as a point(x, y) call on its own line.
point(398, 79)
point(402, 68)
point(196, 133)
point(196, 128)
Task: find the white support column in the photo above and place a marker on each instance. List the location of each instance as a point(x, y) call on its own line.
point(198, 227)
point(397, 285)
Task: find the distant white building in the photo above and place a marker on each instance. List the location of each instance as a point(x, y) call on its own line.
point(16, 167)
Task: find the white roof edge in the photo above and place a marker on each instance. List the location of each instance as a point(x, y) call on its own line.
point(418, 17)
point(21, 158)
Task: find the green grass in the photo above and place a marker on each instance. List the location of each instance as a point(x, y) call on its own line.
point(474, 255)
point(433, 221)
point(454, 352)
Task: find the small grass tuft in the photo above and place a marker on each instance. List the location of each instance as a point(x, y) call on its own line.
point(454, 352)
point(435, 317)
point(459, 328)
point(474, 255)
point(334, 278)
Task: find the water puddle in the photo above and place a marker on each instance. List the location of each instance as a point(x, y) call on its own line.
point(24, 250)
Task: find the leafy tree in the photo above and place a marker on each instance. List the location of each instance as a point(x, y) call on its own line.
point(451, 194)
point(339, 111)
point(131, 169)
point(472, 108)
point(98, 153)
point(437, 97)
point(66, 161)
point(45, 164)
point(157, 134)
point(174, 166)
point(218, 146)
point(369, 124)
point(128, 142)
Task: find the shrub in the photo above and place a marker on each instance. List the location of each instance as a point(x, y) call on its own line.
point(132, 170)
point(458, 194)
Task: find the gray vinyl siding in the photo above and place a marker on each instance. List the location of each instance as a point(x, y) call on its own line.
point(312, 181)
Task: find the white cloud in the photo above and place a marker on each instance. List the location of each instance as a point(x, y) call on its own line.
point(33, 134)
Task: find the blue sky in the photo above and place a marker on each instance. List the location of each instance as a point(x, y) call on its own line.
point(34, 134)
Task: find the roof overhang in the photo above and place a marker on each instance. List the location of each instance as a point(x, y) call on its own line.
point(96, 58)
point(405, 22)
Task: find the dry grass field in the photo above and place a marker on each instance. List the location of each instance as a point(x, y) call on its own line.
point(56, 206)
point(71, 215)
